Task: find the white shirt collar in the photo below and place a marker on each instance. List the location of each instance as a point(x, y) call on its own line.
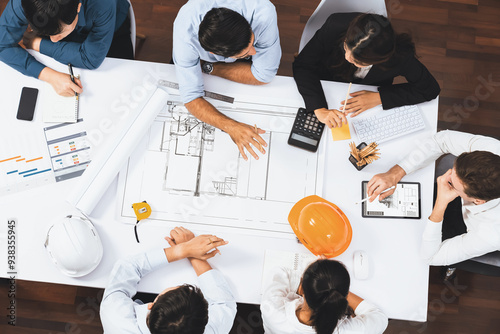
point(141, 312)
point(292, 319)
point(475, 209)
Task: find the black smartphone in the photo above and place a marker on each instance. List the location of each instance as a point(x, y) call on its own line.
point(27, 104)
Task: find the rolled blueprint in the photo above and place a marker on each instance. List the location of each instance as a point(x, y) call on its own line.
point(110, 159)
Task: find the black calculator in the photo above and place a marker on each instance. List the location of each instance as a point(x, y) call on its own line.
point(306, 131)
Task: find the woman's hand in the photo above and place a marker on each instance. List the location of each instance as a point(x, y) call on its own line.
point(361, 101)
point(330, 117)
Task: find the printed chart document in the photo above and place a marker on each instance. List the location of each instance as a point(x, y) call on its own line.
point(57, 108)
point(192, 173)
point(404, 203)
point(31, 158)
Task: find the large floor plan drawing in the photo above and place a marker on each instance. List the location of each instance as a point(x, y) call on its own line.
point(192, 173)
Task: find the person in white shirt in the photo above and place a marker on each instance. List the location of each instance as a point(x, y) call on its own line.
point(319, 301)
point(181, 309)
point(474, 181)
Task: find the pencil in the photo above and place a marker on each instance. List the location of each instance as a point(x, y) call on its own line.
point(346, 97)
point(257, 132)
point(365, 199)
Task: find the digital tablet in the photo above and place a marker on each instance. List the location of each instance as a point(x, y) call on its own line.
point(404, 203)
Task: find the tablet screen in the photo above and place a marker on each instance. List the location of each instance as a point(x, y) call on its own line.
point(404, 203)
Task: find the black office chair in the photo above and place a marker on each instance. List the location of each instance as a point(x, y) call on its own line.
point(487, 264)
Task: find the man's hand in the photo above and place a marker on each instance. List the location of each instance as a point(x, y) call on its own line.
point(381, 182)
point(445, 193)
point(330, 117)
point(361, 101)
point(61, 82)
point(179, 235)
point(200, 247)
point(244, 136)
point(31, 40)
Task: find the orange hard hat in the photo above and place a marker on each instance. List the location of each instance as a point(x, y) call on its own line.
point(321, 226)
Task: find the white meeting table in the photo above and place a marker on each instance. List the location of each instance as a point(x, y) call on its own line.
point(391, 244)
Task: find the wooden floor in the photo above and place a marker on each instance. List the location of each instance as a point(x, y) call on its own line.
point(458, 40)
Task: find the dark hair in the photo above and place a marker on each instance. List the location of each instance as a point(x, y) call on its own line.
point(182, 310)
point(372, 40)
point(46, 16)
point(224, 32)
point(480, 173)
point(325, 284)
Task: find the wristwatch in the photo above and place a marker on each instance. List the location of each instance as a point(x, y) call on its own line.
point(207, 67)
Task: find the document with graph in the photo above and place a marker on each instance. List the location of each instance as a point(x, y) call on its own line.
point(40, 156)
point(192, 173)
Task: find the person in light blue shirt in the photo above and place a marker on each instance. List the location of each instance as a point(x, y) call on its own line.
point(80, 32)
point(184, 309)
point(234, 39)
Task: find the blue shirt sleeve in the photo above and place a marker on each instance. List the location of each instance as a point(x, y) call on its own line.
point(266, 61)
point(91, 53)
point(13, 24)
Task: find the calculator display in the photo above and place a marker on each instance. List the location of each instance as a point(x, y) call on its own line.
point(306, 131)
point(304, 139)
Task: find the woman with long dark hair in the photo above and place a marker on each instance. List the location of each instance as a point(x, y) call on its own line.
point(318, 301)
point(361, 48)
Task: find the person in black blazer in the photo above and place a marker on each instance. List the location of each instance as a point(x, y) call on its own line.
point(361, 48)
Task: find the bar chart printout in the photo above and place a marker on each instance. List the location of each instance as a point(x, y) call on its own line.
point(24, 162)
point(35, 158)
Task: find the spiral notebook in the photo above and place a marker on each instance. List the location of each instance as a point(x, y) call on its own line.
point(277, 258)
point(57, 108)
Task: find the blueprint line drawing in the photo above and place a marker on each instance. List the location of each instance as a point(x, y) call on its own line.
point(192, 173)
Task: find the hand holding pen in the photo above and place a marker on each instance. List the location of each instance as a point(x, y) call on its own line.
point(73, 79)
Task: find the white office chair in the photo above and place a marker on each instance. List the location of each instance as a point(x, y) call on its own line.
point(133, 31)
point(328, 7)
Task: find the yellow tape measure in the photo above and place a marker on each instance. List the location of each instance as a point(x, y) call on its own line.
point(142, 211)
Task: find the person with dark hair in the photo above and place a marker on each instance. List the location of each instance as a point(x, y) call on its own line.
point(186, 309)
point(363, 49)
point(81, 33)
point(236, 40)
point(317, 301)
point(465, 220)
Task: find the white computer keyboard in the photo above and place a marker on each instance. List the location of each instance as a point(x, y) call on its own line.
point(388, 124)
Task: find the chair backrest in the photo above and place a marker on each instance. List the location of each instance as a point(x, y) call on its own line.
point(328, 7)
point(132, 25)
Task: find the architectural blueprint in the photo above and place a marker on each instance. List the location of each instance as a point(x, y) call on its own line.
point(192, 173)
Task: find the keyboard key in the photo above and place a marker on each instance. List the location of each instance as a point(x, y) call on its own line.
point(389, 124)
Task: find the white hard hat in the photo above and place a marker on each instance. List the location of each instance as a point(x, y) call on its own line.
point(74, 246)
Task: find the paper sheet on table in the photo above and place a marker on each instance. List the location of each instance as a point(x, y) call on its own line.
point(57, 108)
point(286, 259)
point(341, 133)
point(107, 163)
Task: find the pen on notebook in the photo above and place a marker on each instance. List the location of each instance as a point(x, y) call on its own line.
point(70, 67)
point(346, 97)
point(365, 199)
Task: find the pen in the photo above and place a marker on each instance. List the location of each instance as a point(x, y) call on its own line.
point(70, 67)
point(365, 199)
point(346, 97)
point(257, 132)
